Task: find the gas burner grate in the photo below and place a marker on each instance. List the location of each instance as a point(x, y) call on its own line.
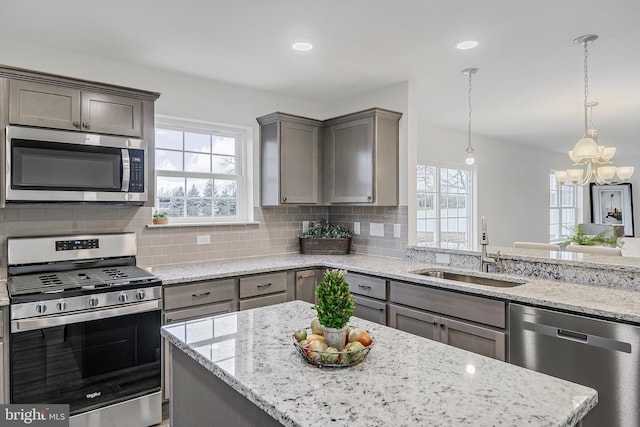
point(50, 280)
point(115, 273)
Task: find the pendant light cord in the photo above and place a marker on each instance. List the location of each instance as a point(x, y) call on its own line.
point(469, 147)
point(586, 86)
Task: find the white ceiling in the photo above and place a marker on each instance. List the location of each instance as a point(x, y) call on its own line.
point(529, 88)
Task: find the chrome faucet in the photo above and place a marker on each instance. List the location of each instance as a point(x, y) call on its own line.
point(485, 260)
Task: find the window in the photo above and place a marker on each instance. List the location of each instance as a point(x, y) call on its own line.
point(444, 206)
point(200, 171)
point(563, 209)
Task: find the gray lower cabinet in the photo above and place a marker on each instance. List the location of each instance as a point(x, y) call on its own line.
point(192, 301)
point(263, 290)
point(306, 284)
point(469, 322)
point(478, 339)
point(361, 158)
point(370, 294)
point(63, 107)
point(290, 160)
point(370, 309)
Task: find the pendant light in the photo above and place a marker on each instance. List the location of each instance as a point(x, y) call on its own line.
point(470, 156)
point(587, 152)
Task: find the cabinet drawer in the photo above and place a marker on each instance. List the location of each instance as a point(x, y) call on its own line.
point(263, 301)
point(373, 287)
point(468, 307)
point(198, 312)
point(370, 309)
point(263, 284)
point(198, 293)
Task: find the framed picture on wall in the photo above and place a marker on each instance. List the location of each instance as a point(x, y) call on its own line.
point(612, 205)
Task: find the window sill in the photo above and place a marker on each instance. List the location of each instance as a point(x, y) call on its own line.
point(200, 224)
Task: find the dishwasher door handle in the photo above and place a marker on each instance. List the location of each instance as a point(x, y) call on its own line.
point(577, 337)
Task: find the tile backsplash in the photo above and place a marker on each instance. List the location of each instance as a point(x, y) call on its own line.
point(276, 232)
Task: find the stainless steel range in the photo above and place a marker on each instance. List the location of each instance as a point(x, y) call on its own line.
point(85, 328)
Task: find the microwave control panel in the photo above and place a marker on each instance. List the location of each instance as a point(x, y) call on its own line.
point(136, 174)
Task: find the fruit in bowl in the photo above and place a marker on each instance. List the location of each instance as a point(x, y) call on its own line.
point(313, 347)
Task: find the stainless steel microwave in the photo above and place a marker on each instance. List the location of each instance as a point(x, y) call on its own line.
point(45, 165)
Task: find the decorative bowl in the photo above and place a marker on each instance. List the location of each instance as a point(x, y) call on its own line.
point(339, 359)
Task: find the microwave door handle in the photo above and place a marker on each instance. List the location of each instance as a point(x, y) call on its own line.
point(126, 169)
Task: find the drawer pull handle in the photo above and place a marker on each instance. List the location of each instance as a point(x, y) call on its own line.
point(266, 285)
point(201, 294)
point(364, 286)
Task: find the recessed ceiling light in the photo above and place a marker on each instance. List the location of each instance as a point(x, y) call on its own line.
point(302, 46)
point(469, 44)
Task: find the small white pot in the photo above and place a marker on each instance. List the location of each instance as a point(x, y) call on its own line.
point(335, 337)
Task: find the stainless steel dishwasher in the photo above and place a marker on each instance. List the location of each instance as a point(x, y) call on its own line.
point(597, 353)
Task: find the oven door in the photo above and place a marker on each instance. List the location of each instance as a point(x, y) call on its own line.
point(87, 364)
point(58, 166)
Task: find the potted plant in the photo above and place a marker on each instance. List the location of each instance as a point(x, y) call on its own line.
point(335, 307)
point(325, 238)
point(601, 239)
point(160, 218)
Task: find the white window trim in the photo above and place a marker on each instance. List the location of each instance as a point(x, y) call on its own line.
point(244, 155)
point(577, 200)
point(472, 227)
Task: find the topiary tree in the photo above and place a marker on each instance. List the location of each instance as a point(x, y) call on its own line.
point(335, 304)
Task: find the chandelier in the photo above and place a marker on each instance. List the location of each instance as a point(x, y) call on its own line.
point(470, 157)
point(595, 159)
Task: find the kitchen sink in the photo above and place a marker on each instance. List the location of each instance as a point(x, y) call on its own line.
point(469, 278)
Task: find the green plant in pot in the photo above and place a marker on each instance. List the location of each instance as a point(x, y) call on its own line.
point(325, 238)
point(604, 238)
point(160, 218)
point(335, 307)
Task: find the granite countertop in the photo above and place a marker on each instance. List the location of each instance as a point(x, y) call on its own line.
point(405, 381)
point(617, 304)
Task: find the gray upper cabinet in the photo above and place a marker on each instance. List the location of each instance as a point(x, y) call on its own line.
point(290, 160)
point(61, 107)
point(361, 158)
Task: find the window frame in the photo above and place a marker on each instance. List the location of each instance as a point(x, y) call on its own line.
point(577, 201)
point(471, 203)
point(243, 164)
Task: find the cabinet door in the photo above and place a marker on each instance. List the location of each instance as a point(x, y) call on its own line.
point(415, 322)
point(37, 104)
point(112, 114)
point(476, 339)
point(352, 156)
point(306, 283)
point(298, 163)
point(370, 309)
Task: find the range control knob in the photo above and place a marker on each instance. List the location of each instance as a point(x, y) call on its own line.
point(93, 302)
point(41, 308)
point(140, 294)
point(123, 297)
point(61, 306)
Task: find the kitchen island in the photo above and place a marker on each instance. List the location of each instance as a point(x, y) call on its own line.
point(242, 369)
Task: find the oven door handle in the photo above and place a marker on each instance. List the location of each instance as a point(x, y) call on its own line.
point(23, 325)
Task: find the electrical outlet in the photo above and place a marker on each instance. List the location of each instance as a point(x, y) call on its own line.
point(376, 229)
point(203, 240)
point(305, 226)
point(396, 230)
point(356, 228)
point(442, 258)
